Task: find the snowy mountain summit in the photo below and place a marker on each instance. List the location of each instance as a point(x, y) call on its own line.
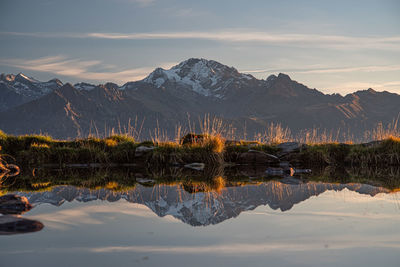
point(27, 86)
point(205, 77)
point(19, 89)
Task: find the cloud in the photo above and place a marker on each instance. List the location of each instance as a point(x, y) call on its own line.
point(392, 86)
point(307, 70)
point(348, 87)
point(243, 35)
point(80, 69)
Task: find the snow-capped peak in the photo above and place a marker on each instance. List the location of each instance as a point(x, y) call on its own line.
point(23, 77)
point(84, 86)
point(205, 77)
point(28, 86)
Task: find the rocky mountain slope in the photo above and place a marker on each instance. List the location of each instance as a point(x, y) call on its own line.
point(193, 88)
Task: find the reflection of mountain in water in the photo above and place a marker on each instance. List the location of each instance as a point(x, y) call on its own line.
point(204, 208)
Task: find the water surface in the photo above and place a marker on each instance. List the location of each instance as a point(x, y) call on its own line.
point(275, 223)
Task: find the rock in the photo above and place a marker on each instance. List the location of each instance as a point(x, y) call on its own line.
point(192, 138)
point(144, 180)
point(299, 171)
point(274, 171)
point(11, 224)
point(14, 204)
point(290, 171)
point(284, 164)
point(280, 171)
point(372, 143)
point(290, 147)
point(256, 157)
point(195, 166)
point(252, 171)
point(141, 150)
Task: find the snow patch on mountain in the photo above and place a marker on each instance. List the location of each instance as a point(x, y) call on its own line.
point(84, 86)
point(28, 86)
point(205, 77)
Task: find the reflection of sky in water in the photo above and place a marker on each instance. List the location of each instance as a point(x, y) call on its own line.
point(335, 227)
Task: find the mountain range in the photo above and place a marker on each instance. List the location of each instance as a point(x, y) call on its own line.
point(203, 208)
point(184, 93)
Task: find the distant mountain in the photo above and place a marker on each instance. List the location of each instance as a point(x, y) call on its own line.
point(193, 88)
point(19, 89)
point(203, 208)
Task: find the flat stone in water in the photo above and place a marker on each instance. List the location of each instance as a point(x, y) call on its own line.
point(14, 204)
point(11, 224)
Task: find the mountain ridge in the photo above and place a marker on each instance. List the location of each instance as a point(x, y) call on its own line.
point(192, 88)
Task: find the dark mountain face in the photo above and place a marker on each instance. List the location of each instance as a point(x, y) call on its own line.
point(192, 89)
point(204, 208)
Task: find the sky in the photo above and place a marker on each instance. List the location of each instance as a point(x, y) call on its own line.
point(334, 46)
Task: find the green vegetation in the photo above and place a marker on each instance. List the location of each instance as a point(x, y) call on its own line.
point(379, 153)
point(32, 151)
point(46, 162)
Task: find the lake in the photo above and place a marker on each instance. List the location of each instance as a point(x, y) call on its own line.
point(283, 222)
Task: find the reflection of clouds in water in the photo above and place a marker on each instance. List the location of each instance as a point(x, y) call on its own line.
point(383, 200)
point(63, 219)
point(377, 216)
point(238, 249)
point(349, 196)
point(260, 248)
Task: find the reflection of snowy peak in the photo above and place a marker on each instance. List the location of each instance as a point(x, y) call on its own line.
point(205, 77)
point(205, 208)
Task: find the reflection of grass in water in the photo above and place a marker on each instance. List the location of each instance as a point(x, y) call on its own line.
point(122, 180)
point(46, 179)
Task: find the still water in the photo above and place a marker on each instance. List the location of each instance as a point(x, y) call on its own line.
point(274, 223)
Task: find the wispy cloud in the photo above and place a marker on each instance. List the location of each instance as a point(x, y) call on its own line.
point(308, 70)
point(243, 35)
point(80, 69)
point(392, 86)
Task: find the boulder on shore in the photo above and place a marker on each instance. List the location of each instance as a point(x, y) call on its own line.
point(257, 157)
point(290, 147)
point(141, 150)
